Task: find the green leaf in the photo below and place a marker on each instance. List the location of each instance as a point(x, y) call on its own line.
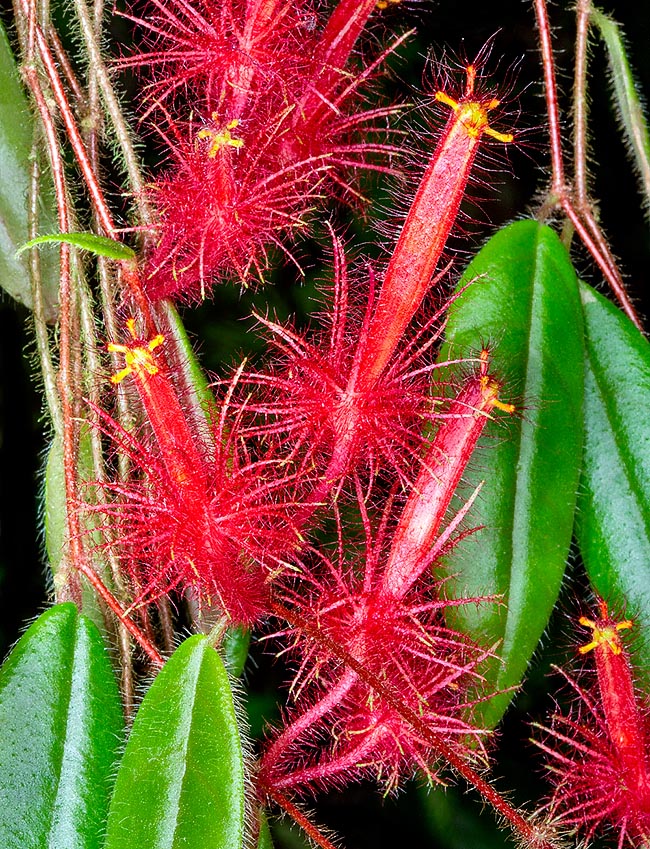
point(264, 839)
point(629, 108)
point(181, 781)
point(235, 649)
point(16, 137)
point(61, 727)
point(55, 521)
point(524, 304)
point(98, 245)
point(613, 516)
point(196, 387)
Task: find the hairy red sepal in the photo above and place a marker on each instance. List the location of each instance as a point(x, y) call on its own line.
point(598, 754)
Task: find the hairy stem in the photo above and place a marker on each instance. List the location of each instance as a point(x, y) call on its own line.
point(517, 822)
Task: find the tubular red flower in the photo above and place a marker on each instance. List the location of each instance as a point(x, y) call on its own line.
point(386, 613)
point(599, 755)
point(427, 225)
point(196, 512)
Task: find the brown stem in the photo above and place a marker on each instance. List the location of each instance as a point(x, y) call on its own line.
point(299, 818)
point(575, 203)
point(530, 834)
point(72, 131)
point(552, 107)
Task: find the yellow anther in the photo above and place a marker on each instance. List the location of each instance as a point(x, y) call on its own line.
point(604, 636)
point(472, 113)
point(138, 359)
point(220, 138)
point(490, 387)
point(384, 4)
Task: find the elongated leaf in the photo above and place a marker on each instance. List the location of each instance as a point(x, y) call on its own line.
point(196, 386)
point(16, 136)
point(61, 725)
point(55, 519)
point(181, 781)
point(613, 516)
point(525, 305)
point(98, 245)
point(628, 104)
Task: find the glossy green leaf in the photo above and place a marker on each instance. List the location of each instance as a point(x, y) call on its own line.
point(524, 304)
point(16, 137)
point(613, 516)
point(181, 780)
point(61, 724)
point(98, 245)
point(628, 104)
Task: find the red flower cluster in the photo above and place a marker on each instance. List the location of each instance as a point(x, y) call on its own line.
point(260, 107)
point(381, 619)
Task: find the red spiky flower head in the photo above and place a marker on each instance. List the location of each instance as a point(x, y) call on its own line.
point(599, 755)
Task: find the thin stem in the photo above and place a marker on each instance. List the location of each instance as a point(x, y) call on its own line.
point(40, 324)
point(579, 211)
point(580, 106)
point(299, 818)
point(548, 63)
point(455, 760)
point(97, 68)
point(72, 131)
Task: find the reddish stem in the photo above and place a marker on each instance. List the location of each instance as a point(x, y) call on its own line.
point(72, 131)
point(487, 791)
point(579, 213)
point(299, 818)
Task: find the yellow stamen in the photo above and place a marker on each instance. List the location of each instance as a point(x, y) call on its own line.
point(472, 113)
point(604, 636)
point(220, 138)
point(384, 4)
point(490, 387)
point(138, 359)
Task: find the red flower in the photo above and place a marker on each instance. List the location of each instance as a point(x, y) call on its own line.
point(599, 754)
point(196, 511)
point(382, 617)
point(274, 112)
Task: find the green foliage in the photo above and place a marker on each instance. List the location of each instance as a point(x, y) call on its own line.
point(16, 140)
point(61, 726)
point(523, 303)
point(632, 120)
point(97, 245)
point(181, 780)
point(613, 515)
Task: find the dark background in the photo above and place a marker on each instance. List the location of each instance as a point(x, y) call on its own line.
point(359, 815)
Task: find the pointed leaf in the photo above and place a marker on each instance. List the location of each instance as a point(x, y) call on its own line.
point(525, 304)
point(16, 137)
point(61, 724)
point(181, 780)
point(613, 516)
point(98, 245)
point(628, 104)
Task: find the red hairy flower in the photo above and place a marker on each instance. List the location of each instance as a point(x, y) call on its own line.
point(385, 613)
point(196, 511)
point(274, 111)
point(311, 404)
point(599, 754)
